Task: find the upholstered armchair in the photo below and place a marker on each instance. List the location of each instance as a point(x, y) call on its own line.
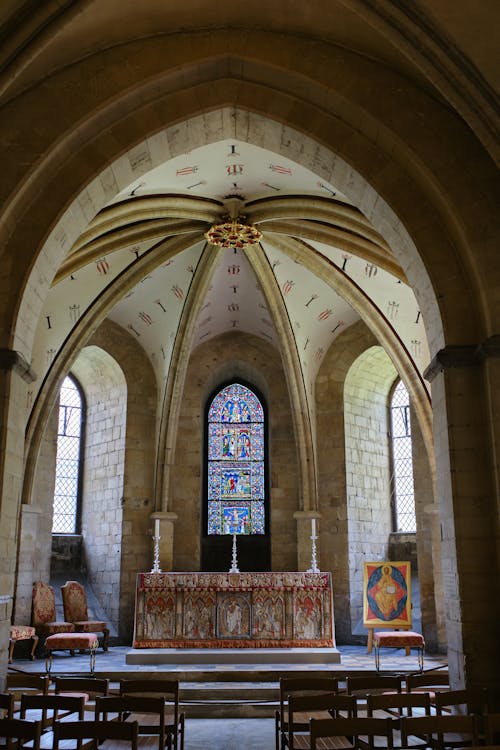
point(44, 612)
point(76, 611)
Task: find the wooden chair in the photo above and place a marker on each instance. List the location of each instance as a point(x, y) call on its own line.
point(26, 733)
point(76, 611)
point(362, 686)
point(302, 708)
point(440, 732)
point(169, 689)
point(50, 708)
point(98, 731)
point(19, 683)
point(149, 713)
point(428, 682)
point(88, 687)
point(6, 706)
point(350, 733)
point(44, 612)
point(492, 729)
point(397, 705)
point(298, 686)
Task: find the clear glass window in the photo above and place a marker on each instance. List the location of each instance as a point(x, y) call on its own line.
point(69, 434)
point(402, 462)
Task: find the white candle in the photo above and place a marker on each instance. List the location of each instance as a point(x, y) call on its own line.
point(157, 527)
point(313, 527)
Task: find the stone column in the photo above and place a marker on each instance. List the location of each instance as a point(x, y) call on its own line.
point(15, 373)
point(466, 412)
point(305, 520)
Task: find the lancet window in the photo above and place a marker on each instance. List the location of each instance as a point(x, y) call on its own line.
point(236, 468)
point(68, 461)
point(402, 461)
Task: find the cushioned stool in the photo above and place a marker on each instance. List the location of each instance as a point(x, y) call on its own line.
point(407, 639)
point(22, 633)
point(71, 642)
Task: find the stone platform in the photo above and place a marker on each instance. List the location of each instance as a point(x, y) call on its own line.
point(255, 656)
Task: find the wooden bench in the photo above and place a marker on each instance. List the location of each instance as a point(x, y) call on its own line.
point(406, 639)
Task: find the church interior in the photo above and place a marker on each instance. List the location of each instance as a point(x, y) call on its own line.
point(293, 202)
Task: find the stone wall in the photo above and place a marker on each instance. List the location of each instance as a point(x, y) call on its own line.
point(250, 358)
point(103, 475)
point(367, 467)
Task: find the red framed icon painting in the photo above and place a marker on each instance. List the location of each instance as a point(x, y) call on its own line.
point(387, 594)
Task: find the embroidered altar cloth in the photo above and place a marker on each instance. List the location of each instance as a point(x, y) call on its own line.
point(234, 610)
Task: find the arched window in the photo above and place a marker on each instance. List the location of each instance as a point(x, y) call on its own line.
point(236, 481)
point(68, 462)
point(402, 462)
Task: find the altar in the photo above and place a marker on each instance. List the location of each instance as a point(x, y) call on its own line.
point(233, 610)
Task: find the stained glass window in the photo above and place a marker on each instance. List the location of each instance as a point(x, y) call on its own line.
point(236, 462)
point(402, 461)
point(69, 434)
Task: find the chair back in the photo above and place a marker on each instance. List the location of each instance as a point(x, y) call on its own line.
point(23, 731)
point(74, 601)
point(397, 704)
point(148, 712)
point(362, 686)
point(49, 708)
point(492, 729)
point(90, 686)
point(44, 603)
point(299, 686)
point(169, 690)
point(440, 731)
point(22, 682)
point(366, 727)
point(431, 679)
point(6, 705)
point(95, 730)
point(469, 700)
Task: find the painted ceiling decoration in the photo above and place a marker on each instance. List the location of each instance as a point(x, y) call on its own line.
point(290, 246)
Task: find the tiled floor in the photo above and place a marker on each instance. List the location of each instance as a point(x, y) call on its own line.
point(353, 658)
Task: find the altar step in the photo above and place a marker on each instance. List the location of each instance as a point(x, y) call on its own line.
point(239, 700)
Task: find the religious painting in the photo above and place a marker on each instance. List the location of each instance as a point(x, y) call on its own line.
point(387, 594)
point(268, 615)
point(199, 616)
point(236, 485)
point(307, 609)
point(233, 616)
point(158, 622)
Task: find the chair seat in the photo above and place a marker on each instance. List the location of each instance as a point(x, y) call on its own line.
point(21, 632)
point(398, 639)
point(70, 641)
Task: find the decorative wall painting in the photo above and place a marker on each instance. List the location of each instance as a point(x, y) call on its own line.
point(387, 594)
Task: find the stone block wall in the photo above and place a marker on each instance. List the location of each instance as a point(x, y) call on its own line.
point(255, 361)
point(367, 467)
point(102, 512)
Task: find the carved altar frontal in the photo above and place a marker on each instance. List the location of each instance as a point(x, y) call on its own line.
point(234, 610)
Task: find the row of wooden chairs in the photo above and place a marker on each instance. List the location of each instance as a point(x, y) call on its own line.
point(153, 703)
point(373, 697)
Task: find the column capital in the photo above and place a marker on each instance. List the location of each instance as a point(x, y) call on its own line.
point(462, 355)
point(14, 361)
